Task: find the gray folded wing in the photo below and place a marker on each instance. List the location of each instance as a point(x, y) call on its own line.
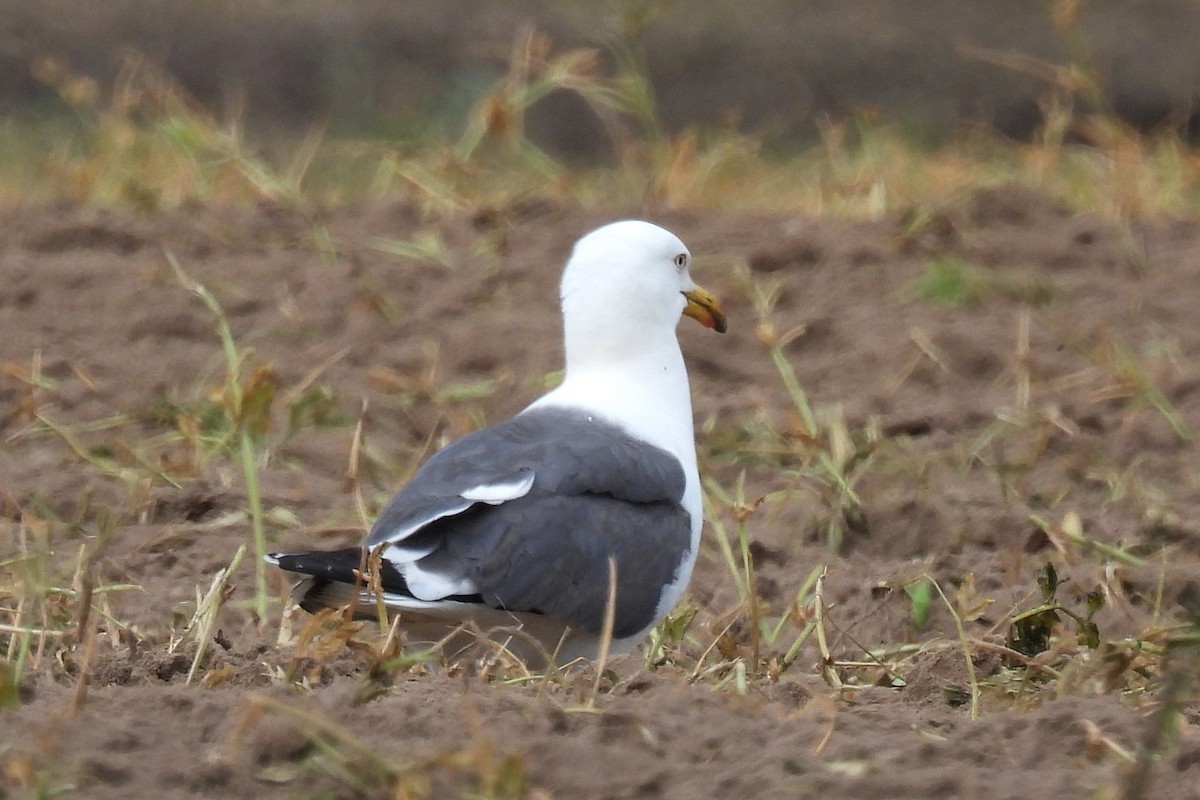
point(526, 514)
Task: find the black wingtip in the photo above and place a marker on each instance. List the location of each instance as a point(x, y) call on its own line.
point(335, 565)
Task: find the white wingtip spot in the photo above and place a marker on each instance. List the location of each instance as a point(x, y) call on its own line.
point(496, 493)
point(430, 585)
point(401, 553)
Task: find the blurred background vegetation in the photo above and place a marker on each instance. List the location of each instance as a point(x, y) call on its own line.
point(771, 67)
point(579, 82)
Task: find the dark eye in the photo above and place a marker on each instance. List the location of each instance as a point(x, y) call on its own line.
point(681, 261)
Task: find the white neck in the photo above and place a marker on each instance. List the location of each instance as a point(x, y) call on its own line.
point(644, 391)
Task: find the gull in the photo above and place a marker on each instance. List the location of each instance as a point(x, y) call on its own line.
point(526, 526)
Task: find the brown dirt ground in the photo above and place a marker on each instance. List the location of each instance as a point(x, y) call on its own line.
point(91, 295)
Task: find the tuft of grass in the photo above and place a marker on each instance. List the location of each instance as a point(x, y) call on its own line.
point(952, 282)
point(207, 606)
point(1031, 631)
point(427, 247)
point(826, 458)
point(920, 597)
point(1133, 378)
point(1178, 676)
point(247, 405)
point(764, 628)
point(145, 143)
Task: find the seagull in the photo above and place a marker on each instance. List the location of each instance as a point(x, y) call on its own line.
point(525, 526)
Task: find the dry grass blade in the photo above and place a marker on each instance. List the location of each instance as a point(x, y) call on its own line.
point(79, 694)
point(371, 574)
point(311, 376)
point(965, 643)
point(606, 631)
point(205, 618)
point(828, 670)
point(85, 632)
point(352, 482)
point(1179, 679)
point(53, 634)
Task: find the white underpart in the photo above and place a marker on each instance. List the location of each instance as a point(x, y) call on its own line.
point(401, 554)
point(426, 584)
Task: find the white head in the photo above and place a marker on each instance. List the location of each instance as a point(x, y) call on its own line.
point(624, 289)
